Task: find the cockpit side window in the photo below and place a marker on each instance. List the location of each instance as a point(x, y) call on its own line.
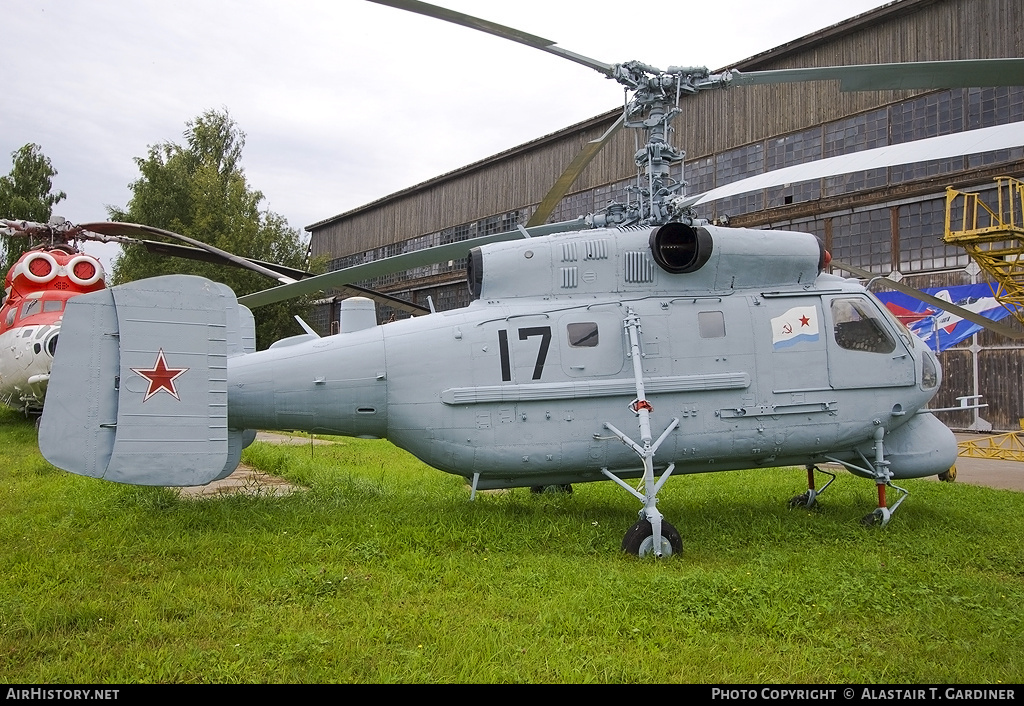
point(52, 305)
point(859, 328)
point(32, 306)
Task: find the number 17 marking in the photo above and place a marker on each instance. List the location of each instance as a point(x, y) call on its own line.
point(524, 333)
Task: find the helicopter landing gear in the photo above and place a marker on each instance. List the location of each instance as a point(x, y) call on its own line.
point(948, 476)
point(877, 518)
point(879, 470)
point(882, 514)
point(651, 534)
point(639, 540)
point(539, 489)
point(810, 498)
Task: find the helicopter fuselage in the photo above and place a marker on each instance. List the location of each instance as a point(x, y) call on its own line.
point(760, 359)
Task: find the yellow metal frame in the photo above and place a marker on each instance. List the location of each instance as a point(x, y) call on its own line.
point(993, 235)
point(1002, 447)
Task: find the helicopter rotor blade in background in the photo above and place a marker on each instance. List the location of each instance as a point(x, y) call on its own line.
point(113, 228)
point(933, 301)
point(571, 173)
point(510, 33)
point(964, 73)
point(186, 252)
point(124, 233)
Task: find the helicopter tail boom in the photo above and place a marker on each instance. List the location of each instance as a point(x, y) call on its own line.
point(130, 406)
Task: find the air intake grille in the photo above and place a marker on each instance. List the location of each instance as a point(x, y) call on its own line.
point(638, 267)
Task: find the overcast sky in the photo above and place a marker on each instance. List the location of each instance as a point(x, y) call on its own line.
point(342, 101)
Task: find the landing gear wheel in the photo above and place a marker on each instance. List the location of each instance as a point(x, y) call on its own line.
point(806, 500)
point(948, 476)
point(567, 489)
point(878, 518)
point(639, 540)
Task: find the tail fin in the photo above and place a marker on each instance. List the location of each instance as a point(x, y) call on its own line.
point(138, 388)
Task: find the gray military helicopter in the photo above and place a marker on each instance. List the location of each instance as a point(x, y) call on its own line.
point(720, 348)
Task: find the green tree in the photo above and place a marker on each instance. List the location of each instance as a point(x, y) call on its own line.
point(199, 189)
point(26, 194)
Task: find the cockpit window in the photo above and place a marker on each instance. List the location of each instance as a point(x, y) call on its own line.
point(32, 306)
point(53, 305)
point(859, 328)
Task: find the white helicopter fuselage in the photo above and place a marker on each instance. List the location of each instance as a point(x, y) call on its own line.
point(26, 354)
point(520, 389)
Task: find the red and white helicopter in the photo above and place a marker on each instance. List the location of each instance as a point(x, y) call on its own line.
point(36, 290)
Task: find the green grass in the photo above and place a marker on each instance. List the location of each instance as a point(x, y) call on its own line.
point(383, 571)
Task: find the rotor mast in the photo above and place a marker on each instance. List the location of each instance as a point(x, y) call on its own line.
point(655, 101)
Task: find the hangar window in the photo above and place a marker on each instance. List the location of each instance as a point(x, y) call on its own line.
point(864, 239)
point(859, 328)
point(922, 225)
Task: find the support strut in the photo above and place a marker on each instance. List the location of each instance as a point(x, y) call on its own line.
point(663, 538)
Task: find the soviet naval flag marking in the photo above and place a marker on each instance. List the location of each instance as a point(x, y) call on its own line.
point(798, 325)
point(160, 377)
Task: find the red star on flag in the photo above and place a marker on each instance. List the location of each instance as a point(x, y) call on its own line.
point(160, 377)
point(804, 321)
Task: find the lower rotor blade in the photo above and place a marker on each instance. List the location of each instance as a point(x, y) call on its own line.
point(571, 173)
point(957, 144)
point(352, 290)
point(397, 263)
point(934, 301)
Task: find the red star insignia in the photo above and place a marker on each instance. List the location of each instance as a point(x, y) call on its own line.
point(160, 377)
point(804, 321)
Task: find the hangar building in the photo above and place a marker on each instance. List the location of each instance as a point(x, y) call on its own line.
point(882, 220)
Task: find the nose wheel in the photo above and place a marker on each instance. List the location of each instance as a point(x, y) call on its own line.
point(639, 540)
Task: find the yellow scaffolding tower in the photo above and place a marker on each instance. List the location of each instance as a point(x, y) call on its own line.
point(993, 235)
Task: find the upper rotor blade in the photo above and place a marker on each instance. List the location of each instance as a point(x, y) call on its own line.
point(910, 75)
point(571, 173)
point(397, 263)
point(957, 144)
point(934, 301)
point(510, 33)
